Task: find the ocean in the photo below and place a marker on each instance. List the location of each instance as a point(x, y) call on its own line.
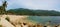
point(45, 19)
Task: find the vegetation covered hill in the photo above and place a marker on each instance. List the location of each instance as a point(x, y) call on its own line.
point(22, 11)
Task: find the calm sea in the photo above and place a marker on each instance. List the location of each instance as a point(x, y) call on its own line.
point(44, 19)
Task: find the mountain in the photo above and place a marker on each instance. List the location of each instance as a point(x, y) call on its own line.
point(23, 11)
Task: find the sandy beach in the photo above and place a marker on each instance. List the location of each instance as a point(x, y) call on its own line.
point(13, 19)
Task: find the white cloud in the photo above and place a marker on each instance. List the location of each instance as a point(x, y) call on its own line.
point(35, 4)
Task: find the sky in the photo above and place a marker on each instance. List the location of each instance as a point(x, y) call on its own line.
point(34, 4)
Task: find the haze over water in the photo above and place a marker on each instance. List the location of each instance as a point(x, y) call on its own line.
point(45, 19)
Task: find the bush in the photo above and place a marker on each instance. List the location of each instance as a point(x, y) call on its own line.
point(0, 25)
point(7, 18)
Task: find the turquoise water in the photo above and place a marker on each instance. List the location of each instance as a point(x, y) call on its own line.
point(44, 19)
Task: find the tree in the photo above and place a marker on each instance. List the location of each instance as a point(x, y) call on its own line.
point(3, 8)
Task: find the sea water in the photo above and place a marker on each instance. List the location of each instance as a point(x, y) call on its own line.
point(44, 19)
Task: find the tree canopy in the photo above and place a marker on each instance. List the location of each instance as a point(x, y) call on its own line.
point(23, 11)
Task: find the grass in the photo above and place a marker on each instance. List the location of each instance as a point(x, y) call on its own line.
point(0, 25)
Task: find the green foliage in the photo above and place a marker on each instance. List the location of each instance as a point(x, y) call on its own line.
point(0, 25)
point(7, 18)
point(22, 11)
point(3, 8)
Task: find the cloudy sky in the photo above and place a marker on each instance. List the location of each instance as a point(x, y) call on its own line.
point(34, 4)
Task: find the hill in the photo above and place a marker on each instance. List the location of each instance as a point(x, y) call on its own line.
point(23, 11)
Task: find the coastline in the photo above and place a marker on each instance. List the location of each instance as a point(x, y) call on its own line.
point(15, 19)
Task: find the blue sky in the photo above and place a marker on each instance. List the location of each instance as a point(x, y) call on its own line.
point(34, 4)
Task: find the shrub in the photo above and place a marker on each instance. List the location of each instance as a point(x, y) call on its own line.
point(0, 25)
point(7, 18)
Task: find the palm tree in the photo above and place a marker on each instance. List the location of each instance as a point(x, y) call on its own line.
point(4, 6)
